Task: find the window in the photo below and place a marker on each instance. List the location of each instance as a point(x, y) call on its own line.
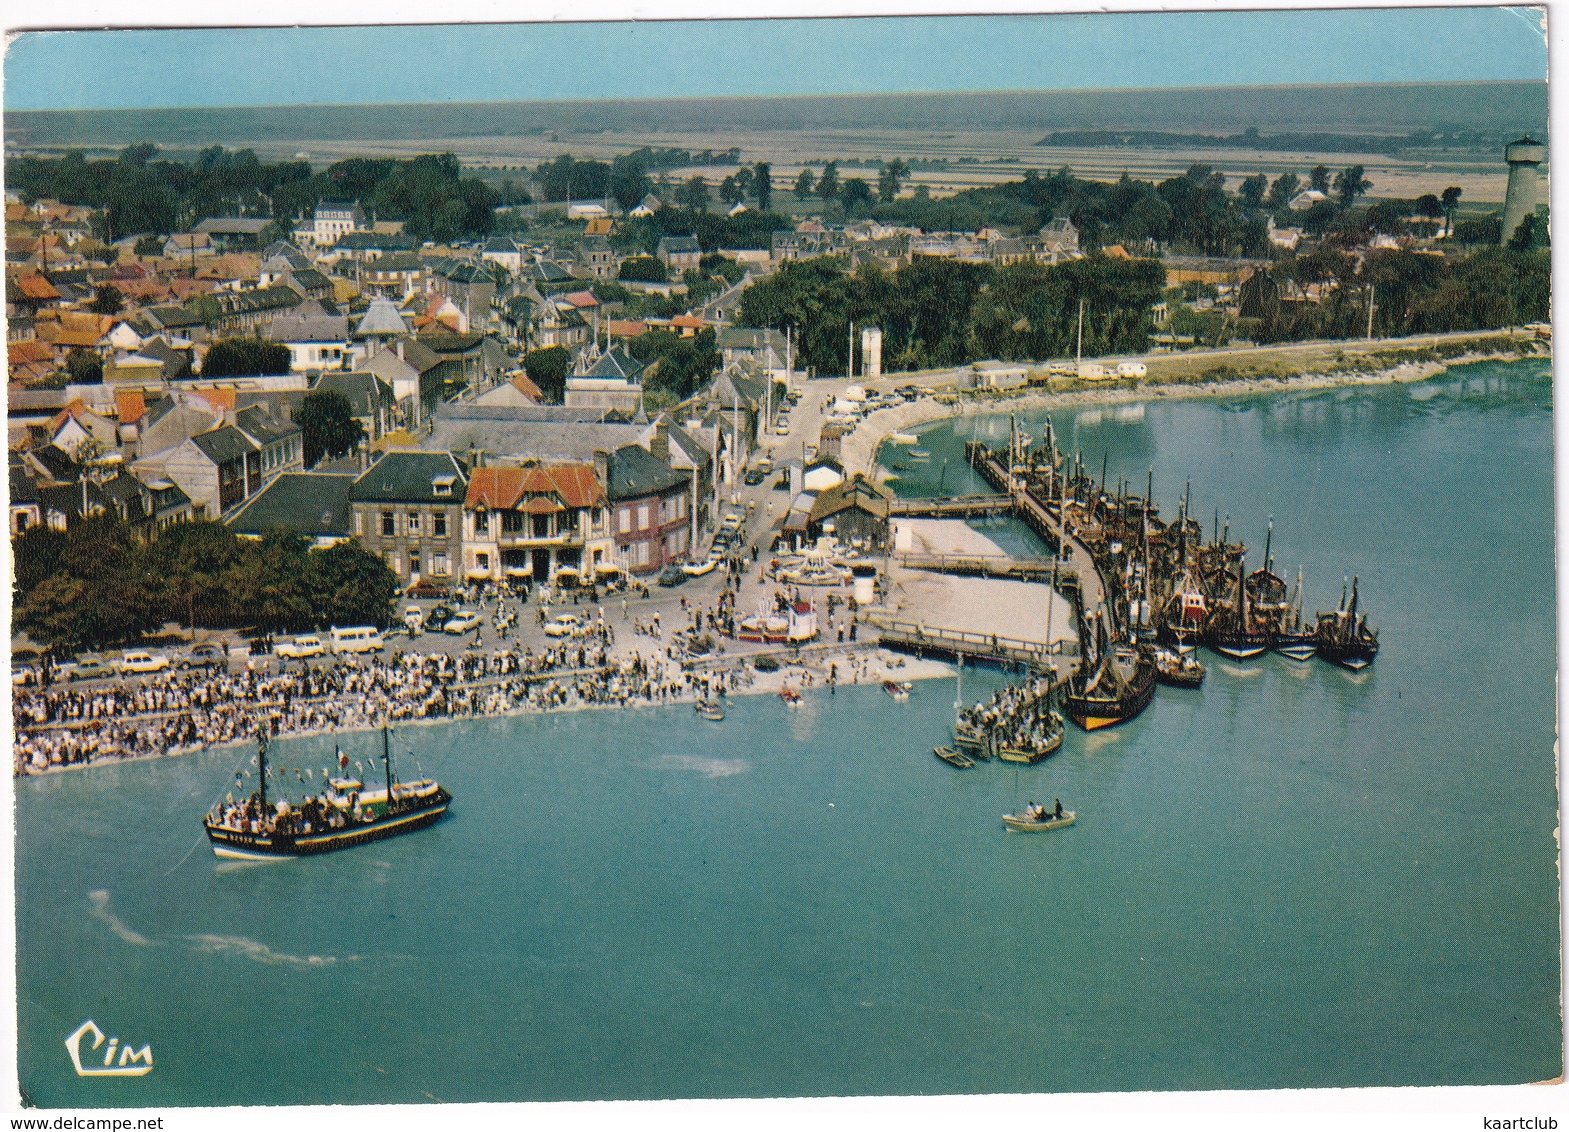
point(482, 561)
point(440, 565)
point(359, 522)
point(397, 563)
point(442, 485)
point(389, 524)
point(413, 524)
point(438, 525)
point(642, 554)
point(626, 519)
point(642, 516)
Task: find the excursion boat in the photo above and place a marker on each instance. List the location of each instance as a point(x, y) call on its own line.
point(969, 740)
point(343, 815)
point(1342, 639)
point(1038, 819)
point(953, 757)
point(1034, 752)
point(1177, 670)
point(711, 710)
point(898, 691)
point(1117, 690)
point(791, 697)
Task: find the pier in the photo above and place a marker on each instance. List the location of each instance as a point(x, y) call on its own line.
point(952, 507)
point(954, 644)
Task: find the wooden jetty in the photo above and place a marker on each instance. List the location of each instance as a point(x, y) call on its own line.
point(954, 644)
point(992, 566)
point(951, 507)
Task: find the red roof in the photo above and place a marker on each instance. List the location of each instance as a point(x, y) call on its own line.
point(688, 321)
point(626, 328)
point(36, 287)
point(581, 299)
point(220, 398)
point(525, 386)
point(129, 405)
point(545, 487)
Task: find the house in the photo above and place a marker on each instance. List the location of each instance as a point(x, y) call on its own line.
point(596, 258)
point(678, 253)
point(516, 391)
point(232, 233)
point(1287, 238)
point(379, 325)
point(997, 375)
point(315, 342)
point(461, 361)
point(403, 366)
point(397, 276)
point(505, 251)
point(409, 508)
point(531, 521)
point(608, 380)
point(218, 469)
point(651, 507)
point(313, 504)
point(853, 511)
point(822, 474)
point(371, 400)
point(246, 312)
point(585, 210)
point(26, 506)
point(187, 245)
point(649, 205)
point(281, 442)
point(335, 219)
point(764, 348)
point(1307, 198)
point(1058, 239)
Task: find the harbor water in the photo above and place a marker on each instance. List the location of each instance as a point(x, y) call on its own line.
point(1293, 877)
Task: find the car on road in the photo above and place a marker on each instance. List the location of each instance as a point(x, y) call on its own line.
point(24, 676)
point(424, 589)
point(414, 618)
point(301, 648)
point(205, 656)
point(464, 621)
point(567, 624)
point(140, 661)
point(754, 477)
point(90, 666)
point(440, 615)
point(673, 576)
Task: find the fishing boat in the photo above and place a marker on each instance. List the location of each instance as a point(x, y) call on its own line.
point(1293, 640)
point(791, 697)
point(1034, 752)
point(1038, 819)
point(903, 438)
point(711, 710)
point(1114, 690)
point(1236, 632)
point(918, 454)
point(898, 691)
point(953, 757)
point(969, 739)
point(1176, 670)
point(343, 815)
point(1344, 640)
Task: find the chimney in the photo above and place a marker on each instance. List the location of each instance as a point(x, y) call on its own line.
point(602, 467)
point(660, 446)
point(400, 349)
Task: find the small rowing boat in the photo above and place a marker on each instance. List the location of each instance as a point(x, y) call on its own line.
point(953, 757)
point(919, 454)
point(791, 697)
point(898, 691)
point(1038, 819)
point(711, 710)
point(903, 438)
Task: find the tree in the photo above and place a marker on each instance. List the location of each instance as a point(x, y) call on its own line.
point(348, 585)
point(856, 195)
point(547, 368)
point(629, 182)
point(1350, 184)
point(1252, 190)
point(828, 183)
point(803, 184)
point(888, 179)
point(84, 366)
point(107, 300)
point(1450, 200)
point(326, 420)
point(149, 246)
point(743, 178)
point(1284, 191)
point(763, 185)
point(693, 194)
point(1428, 205)
point(644, 269)
point(245, 357)
point(1318, 179)
point(730, 191)
point(1524, 238)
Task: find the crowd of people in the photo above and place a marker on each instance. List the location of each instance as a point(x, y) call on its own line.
point(1018, 716)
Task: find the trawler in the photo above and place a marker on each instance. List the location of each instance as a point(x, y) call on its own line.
point(1342, 639)
point(1115, 690)
point(343, 815)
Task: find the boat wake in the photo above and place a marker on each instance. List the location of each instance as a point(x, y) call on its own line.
point(708, 768)
point(260, 952)
point(99, 899)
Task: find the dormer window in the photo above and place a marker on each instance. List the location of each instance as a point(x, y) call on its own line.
point(442, 486)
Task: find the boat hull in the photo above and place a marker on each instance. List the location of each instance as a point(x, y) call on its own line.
point(238, 845)
point(1095, 712)
point(953, 757)
point(1027, 825)
point(1029, 755)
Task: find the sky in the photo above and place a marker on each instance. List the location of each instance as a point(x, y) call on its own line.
point(610, 60)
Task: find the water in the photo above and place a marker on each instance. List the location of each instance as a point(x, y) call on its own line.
point(1294, 877)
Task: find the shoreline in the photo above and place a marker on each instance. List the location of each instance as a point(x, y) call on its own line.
point(880, 663)
point(861, 447)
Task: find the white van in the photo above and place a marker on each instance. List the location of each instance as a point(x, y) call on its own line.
point(363, 638)
point(1132, 369)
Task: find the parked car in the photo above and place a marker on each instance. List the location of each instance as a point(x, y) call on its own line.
point(462, 622)
point(440, 615)
point(426, 590)
point(24, 675)
point(414, 618)
point(139, 661)
point(301, 647)
point(566, 625)
point(754, 477)
point(357, 639)
point(205, 656)
point(672, 576)
point(90, 666)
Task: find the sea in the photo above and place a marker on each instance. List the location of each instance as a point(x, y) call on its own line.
point(1294, 877)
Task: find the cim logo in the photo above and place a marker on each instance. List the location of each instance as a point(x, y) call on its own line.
point(133, 1062)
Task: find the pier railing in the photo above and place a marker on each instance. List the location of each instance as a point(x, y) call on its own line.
point(991, 566)
point(923, 640)
point(963, 506)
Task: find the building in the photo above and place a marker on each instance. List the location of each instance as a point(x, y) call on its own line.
point(313, 504)
point(606, 381)
point(281, 443)
point(218, 470)
point(678, 253)
point(854, 511)
point(651, 508)
point(532, 521)
point(233, 233)
point(315, 342)
point(335, 219)
point(371, 400)
point(408, 508)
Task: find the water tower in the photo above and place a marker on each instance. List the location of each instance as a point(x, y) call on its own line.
point(1523, 157)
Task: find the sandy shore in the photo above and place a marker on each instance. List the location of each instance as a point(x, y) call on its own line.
point(859, 450)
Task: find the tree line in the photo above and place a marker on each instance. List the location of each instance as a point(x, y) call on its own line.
point(94, 585)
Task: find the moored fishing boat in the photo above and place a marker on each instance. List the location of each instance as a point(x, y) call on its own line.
point(1176, 670)
point(1115, 691)
point(953, 757)
point(1038, 819)
point(1236, 632)
point(345, 814)
point(1343, 639)
point(791, 697)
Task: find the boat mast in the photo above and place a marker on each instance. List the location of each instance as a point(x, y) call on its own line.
point(1268, 535)
point(386, 760)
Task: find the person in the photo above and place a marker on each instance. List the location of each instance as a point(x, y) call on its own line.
point(1059, 808)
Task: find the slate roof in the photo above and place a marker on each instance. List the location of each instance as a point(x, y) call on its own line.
point(234, 225)
point(261, 426)
point(675, 245)
point(224, 444)
point(635, 473)
point(407, 476)
point(382, 318)
point(309, 328)
point(615, 363)
point(365, 392)
point(310, 503)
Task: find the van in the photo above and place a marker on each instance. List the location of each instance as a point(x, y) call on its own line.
point(363, 638)
point(1132, 369)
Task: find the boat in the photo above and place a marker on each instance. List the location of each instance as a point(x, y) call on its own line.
point(969, 739)
point(1177, 670)
point(698, 569)
point(1114, 691)
point(345, 814)
point(1033, 753)
point(953, 757)
point(791, 697)
point(898, 691)
point(1038, 819)
point(711, 710)
point(918, 454)
point(1235, 632)
point(1342, 639)
point(903, 438)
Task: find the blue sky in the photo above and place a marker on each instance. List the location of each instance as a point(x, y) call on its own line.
point(466, 63)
